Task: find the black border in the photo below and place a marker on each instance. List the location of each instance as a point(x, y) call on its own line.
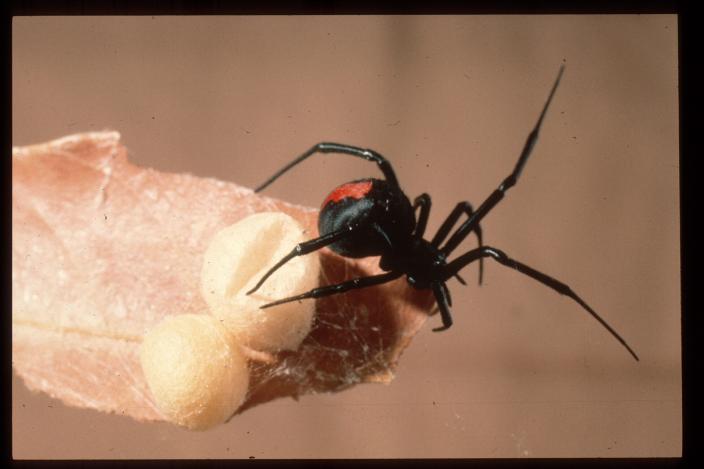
point(320, 7)
point(690, 85)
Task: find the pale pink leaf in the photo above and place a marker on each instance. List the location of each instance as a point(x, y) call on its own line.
point(102, 250)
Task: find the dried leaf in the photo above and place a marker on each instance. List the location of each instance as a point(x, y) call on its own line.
point(103, 250)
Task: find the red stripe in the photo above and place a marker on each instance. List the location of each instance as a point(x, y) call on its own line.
point(355, 190)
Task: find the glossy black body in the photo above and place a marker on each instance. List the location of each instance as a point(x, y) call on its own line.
point(385, 212)
point(373, 217)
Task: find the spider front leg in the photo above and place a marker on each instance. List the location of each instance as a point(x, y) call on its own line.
point(508, 182)
point(501, 257)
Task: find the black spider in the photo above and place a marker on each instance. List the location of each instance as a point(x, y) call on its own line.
point(373, 217)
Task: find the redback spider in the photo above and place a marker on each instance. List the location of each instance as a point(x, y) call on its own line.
point(373, 217)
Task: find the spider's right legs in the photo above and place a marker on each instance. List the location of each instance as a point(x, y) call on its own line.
point(442, 297)
point(354, 284)
point(499, 256)
point(308, 247)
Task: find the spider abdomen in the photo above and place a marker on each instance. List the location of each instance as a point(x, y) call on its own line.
point(381, 216)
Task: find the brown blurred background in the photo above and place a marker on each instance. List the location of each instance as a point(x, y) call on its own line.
point(449, 100)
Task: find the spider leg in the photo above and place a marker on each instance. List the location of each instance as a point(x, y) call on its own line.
point(354, 284)
point(446, 291)
point(328, 147)
point(442, 297)
point(559, 287)
point(444, 230)
point(510, 180)
point(422, 201)
point(308, 247)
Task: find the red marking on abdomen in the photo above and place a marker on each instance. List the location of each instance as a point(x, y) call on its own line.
point(355, 190)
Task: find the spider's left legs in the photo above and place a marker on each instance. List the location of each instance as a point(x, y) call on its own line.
point(354, 284)
point(449, 223)
point(453, 267)
point(422, 201)
point(338, 148)
point(508, 182)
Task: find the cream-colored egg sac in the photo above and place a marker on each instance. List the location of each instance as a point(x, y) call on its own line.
point(197, 375)
point(237, 257)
